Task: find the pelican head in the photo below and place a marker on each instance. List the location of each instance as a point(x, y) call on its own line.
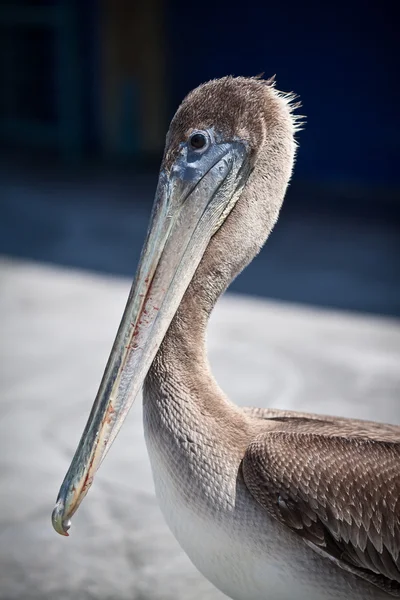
point(228, 159)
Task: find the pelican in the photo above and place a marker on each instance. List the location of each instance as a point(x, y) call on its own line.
point(267, 504)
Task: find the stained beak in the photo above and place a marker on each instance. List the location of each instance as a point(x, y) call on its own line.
point(192, 200)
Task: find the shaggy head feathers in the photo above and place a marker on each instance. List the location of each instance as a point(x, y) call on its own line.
point(237, 107)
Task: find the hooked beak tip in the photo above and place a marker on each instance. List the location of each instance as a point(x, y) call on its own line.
point(60, 525)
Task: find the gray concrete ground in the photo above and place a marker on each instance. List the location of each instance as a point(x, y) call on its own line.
point(57, 327)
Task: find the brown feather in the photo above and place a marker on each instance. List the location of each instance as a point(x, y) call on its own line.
point(237, 106)
point(336, 483)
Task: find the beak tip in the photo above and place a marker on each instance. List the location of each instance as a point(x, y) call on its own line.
point(60, 524)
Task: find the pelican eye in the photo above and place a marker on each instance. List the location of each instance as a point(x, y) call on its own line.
point(198, 141)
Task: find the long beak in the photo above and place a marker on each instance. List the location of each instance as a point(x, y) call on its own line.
point(191, 203)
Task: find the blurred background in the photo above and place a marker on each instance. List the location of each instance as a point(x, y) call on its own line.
point(87, 90)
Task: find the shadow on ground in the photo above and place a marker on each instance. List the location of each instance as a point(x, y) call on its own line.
point(336, 249)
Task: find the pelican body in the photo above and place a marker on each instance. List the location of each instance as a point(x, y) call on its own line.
point(268, 504)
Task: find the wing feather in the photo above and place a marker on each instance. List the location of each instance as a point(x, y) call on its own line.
point(335, 486)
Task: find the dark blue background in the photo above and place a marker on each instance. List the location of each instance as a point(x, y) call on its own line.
point(337, 243)
point(340, 57)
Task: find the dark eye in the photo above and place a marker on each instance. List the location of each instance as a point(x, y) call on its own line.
point(198, 141)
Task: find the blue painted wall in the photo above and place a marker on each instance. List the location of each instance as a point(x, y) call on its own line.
point(340, 57)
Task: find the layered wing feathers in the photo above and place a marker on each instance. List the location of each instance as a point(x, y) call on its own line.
point(337, 487)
